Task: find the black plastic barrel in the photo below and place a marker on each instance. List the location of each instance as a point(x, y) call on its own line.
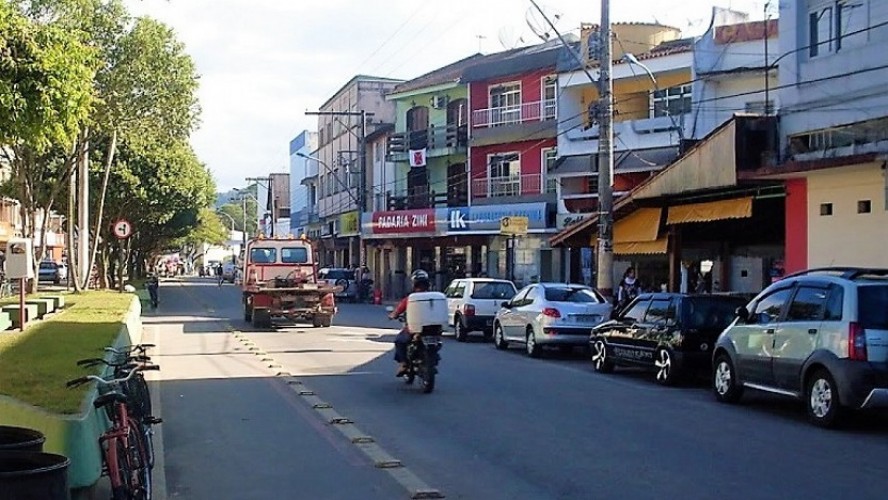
point(20, 439)
point(30, 475)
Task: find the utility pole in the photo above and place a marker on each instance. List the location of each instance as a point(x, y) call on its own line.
point(605, 267)
point(258, 181)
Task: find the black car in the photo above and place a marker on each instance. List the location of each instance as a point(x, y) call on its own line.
point(671, 333)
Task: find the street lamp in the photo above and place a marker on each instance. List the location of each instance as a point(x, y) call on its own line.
point(233, 253)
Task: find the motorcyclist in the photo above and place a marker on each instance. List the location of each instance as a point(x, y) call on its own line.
point(421, 283)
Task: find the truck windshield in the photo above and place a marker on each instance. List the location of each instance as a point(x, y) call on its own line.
point(263, 255)
point(294, 255)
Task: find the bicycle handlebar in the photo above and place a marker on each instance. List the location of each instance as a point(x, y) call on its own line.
point(114, 381)
point(130, 348)
point(90, 362)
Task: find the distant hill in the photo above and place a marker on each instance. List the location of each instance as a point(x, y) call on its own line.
point(233, 196)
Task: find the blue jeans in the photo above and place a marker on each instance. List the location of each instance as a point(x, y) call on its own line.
point(401, 343)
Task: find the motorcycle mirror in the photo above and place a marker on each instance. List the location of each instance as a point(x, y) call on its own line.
point(389, 309)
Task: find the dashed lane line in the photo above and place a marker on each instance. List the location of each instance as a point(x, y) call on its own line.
point(381, 459)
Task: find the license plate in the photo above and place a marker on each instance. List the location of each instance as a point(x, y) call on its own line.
point(586, 318)
point(431, 340)
point(489, 322)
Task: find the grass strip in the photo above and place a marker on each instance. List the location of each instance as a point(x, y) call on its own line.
point(36, 363)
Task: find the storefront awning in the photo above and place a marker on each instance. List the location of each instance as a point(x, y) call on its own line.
point(637, 233)
point(738, 208)
point(655, 247)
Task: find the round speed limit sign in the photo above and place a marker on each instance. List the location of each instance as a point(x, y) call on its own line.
point(122, 229)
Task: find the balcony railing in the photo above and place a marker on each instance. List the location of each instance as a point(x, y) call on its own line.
point(434, 137)
point(511, 185)
point(520, 113)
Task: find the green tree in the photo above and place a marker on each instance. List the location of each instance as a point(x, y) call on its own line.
point(236, 211)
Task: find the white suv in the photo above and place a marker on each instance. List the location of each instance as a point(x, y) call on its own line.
point(472, 304)
point(820, 336)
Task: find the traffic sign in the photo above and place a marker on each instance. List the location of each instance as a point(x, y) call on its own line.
point(515, 226)
point(122, 229)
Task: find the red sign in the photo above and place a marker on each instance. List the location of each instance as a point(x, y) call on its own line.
point(404, 221)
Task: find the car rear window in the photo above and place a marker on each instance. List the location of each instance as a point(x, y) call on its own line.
point(571, 294)
point(711, 312)
point(872, 306)
point(294, 255)
point(493, 290)
point(340, 274)
point(47, 265)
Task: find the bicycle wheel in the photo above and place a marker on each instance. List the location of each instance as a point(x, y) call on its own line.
point(140, 471)
point(119, 470)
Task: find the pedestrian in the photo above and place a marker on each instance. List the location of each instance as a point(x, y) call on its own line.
point(627, 290)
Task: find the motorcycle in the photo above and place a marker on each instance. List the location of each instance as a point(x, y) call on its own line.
point(422, 355)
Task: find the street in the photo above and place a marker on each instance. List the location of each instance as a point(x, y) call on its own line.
point(499, 425)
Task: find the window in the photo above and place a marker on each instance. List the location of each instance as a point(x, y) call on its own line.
point(294, 255)
point(505, 174)
point(768, 309)
point(834, 304)
point(550, 97)
point(673, 101)
point(836, 25)
point(549, 157)
point(498, 290)
point(661, 312)
point(572, 294)
point(864, 206)
point(872, 306)
point(518, 300)
point(505, 103)
point(636, 310)
point(263, 255)
point(713, 313)
point(337, 274)
point(808, 304)
point(459, 291)
point(826, 209)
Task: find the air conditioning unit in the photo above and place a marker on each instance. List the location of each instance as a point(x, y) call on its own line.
point(439, 101)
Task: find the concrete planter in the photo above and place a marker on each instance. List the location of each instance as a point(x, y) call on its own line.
point(75, 436)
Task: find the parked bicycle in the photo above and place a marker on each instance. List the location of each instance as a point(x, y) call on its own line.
point(127, 447)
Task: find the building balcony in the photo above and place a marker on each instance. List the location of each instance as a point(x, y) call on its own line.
point(443, 140)
point(507, 186)
point(526, 122)
point(521, 113)
point(430, 199)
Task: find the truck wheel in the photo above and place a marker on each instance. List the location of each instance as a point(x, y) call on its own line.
point(261, 318)
point(321, 320)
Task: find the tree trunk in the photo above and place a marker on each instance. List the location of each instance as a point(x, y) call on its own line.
point(112, 148)
point(72, 259)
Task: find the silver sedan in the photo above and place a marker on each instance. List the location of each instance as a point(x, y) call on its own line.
point(555, 314)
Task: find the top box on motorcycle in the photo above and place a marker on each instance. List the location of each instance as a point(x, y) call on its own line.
point(426, 312)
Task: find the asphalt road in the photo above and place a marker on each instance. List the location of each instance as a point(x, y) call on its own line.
point(499, 425)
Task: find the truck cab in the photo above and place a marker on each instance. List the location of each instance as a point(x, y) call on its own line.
point(280, 280)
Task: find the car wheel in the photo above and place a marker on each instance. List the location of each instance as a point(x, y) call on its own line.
point(499, 340)
point(533, 349)
point(459, 330)
point(822, 396)
point(667, 371)
point(600, 360)
point(724, 380)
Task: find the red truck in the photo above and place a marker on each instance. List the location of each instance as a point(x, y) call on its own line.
point(280, 280)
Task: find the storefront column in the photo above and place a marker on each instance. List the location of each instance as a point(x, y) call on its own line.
point(438, 269)
point(675, 258)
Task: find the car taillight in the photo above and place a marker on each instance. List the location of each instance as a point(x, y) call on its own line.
point(551, 312)
point(469, 310)
point(856, 342)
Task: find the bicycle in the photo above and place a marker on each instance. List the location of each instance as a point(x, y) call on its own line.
point(136, 389)
point(124, 453)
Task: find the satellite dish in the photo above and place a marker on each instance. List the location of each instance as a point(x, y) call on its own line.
point(508, 38)
point(539, 23)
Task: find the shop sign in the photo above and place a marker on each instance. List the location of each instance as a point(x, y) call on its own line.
point(349, 224)
point(514, 226)
point(488, 217)
point(403, 222)
point(564, 221)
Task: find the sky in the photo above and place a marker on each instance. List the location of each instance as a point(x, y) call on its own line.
point(263, 63)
